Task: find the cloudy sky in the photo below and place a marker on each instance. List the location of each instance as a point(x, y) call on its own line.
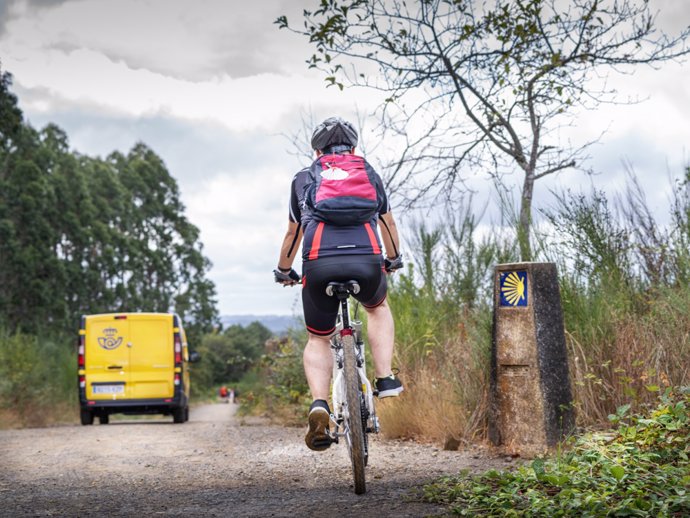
point(213, 86)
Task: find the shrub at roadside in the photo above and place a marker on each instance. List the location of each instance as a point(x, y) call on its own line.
point(640, 469)
point(443, 332)
point(226, 357)
point(624, 282)
point(38, 381)
point(277, 387)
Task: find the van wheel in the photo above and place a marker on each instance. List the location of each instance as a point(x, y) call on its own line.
point(104, 419)
point(186, 413)
point(86, 417)
point(178, 415)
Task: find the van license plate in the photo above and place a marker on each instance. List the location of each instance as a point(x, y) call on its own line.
point(108, 389)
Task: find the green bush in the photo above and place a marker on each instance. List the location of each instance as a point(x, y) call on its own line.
point(38, 380)
point(640, 469)
point(227, 357)
point(277, 387)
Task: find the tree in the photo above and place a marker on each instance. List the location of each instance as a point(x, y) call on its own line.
point(30, 273)
point(490, 84)
point(164, 268)
point(84, 235)
point(10, 117)
point(229, 355)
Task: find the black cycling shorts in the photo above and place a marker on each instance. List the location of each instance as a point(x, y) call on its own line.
point(320, 310)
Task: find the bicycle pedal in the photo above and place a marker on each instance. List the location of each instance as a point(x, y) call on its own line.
point(323, 443)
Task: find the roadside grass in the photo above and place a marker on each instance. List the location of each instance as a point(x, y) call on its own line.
point(38, 382)
point(445, 394)
point(639, 469)
point(642, 352)
point(276, 388)
point(625, 289)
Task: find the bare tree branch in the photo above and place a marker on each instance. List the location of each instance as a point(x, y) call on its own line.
point(489, 82)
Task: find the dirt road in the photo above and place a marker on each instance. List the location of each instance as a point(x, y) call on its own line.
point(214, 465)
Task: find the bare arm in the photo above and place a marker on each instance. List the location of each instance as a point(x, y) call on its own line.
point(389, 234)
point(291, 242)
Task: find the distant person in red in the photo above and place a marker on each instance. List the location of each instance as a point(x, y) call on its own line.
point(223, 393)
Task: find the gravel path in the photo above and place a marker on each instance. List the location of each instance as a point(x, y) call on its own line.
point(214, 465)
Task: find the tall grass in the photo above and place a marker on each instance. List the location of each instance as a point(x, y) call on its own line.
point(624, 289)
point(441, 306)
point(625, 296)
point(38, 381)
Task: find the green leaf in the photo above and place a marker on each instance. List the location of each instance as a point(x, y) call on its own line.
point(617, 471)
point(281, 21)
point(538, 467)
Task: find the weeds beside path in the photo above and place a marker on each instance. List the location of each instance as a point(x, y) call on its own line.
point(641, 469)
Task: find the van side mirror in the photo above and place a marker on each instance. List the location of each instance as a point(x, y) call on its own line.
point(194, 357)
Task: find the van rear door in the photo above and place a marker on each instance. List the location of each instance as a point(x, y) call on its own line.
point(152, 358)
point(107, 357)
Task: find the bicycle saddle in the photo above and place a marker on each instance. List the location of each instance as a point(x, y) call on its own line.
point(342, 289)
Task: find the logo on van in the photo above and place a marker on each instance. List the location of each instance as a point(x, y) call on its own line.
point(110, 341)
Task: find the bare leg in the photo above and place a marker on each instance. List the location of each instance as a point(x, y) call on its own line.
point(318, 366)
point(381, 334)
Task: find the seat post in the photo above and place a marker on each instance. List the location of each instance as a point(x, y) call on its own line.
point(345, 312)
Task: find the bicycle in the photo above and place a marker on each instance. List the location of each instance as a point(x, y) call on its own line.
point(353, 412)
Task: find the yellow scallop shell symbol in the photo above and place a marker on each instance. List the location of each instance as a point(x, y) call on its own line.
point(513, 289)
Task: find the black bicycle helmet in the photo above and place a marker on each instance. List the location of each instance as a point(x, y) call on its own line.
point(332, 132)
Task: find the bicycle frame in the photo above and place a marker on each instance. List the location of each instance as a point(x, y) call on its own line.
point(338, 389)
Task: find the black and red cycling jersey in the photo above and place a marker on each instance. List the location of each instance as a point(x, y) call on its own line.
point(323, 240)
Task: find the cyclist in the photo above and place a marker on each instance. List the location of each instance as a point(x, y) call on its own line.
point(339, 253)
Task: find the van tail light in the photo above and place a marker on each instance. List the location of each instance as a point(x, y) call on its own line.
point(80, 352)
point(178, 350)
point(177, 379)
point(82, 381)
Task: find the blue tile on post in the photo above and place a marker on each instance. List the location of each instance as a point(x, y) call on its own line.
point(513, 288)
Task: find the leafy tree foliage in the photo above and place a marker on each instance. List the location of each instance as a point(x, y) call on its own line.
point(490, 84)
point(86, 235)
point(227, 356)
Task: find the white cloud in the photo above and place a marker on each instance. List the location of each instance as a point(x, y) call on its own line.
point(246, 104)
point(243, 219)
point(194, 40)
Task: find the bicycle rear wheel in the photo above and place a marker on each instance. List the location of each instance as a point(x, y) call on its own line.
point(354, 425)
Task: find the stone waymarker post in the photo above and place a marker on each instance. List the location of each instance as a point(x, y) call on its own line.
point(531, 401)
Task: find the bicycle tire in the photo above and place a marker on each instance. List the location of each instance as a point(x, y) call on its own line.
point(354, 427)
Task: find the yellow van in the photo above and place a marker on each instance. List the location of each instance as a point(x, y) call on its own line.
point(133, 363)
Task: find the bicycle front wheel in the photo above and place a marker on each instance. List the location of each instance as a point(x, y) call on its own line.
point(353, 420)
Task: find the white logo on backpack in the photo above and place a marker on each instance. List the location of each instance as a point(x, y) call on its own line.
point(334, 173)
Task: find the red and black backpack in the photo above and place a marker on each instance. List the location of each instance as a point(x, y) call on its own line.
point(342, 190)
